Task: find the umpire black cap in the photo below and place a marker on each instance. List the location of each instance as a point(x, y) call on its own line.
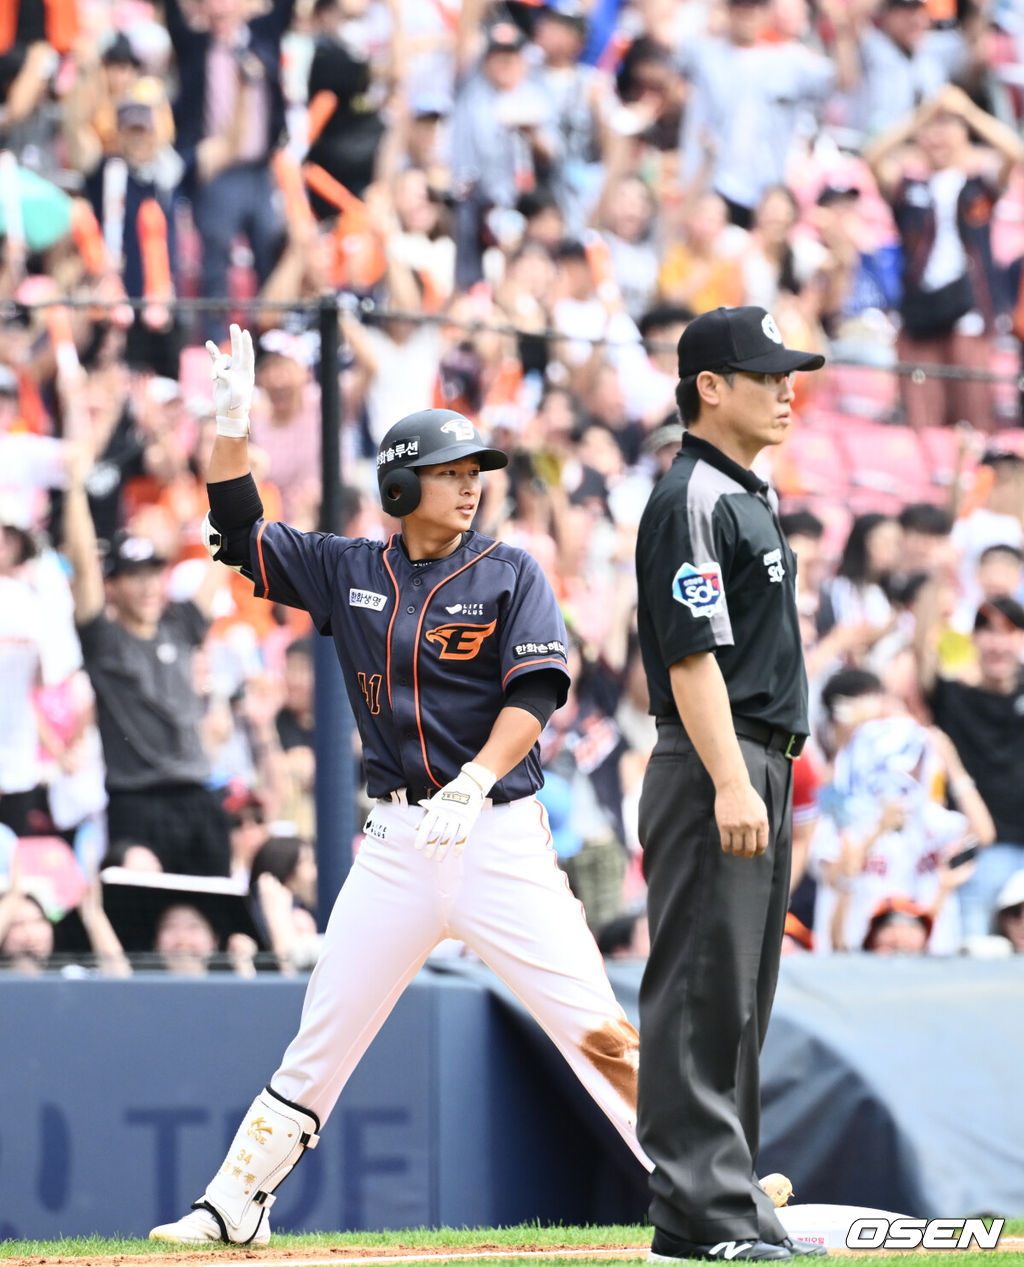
point(426, 438)
point(739, 339)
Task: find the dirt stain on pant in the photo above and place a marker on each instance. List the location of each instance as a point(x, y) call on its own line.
point(614, 1051)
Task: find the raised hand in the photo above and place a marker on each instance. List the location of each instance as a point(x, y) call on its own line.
point(234, 378)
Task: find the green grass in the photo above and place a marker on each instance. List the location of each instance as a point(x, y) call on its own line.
point(528, 1236)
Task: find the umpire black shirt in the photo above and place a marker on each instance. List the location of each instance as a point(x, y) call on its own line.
point(714, 573)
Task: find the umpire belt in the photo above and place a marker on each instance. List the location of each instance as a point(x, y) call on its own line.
point(413, 795)
point(770, 737)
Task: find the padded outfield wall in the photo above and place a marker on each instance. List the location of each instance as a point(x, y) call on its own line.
point(885, 1082)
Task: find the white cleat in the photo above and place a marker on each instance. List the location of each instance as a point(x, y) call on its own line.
point(199, 1227)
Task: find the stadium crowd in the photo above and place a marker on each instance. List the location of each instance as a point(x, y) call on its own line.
point(518, 208)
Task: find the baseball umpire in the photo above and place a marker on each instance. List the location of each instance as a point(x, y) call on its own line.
point(453, 653)
point(720, 641)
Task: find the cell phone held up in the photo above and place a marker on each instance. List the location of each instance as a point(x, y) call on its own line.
point(967, 854)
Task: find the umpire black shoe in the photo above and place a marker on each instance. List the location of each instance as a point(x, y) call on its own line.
point(666, 1248)
point(805, 1249)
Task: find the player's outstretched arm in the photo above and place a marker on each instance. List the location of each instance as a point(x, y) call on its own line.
point(234, 378)
point(451, 812)
point(235, 503)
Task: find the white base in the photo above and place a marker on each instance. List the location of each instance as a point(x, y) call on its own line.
point(826, 1224)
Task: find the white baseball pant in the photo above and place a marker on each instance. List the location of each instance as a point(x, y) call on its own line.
point(506, 898)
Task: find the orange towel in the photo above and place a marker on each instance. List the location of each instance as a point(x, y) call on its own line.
point(156, 263)
point(359, 259)
point(88, 238)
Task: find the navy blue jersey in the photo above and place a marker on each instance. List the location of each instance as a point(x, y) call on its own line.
point(427, 649)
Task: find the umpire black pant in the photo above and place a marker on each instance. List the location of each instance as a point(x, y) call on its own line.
point(716, 923)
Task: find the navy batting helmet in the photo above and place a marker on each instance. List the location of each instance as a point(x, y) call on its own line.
point(424, 439)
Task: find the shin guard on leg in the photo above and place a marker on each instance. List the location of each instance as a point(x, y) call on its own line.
point(272, 1137)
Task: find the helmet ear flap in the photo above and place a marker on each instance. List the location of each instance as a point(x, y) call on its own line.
point(400, 491)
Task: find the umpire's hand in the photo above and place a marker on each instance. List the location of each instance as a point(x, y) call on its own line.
point(742, 819)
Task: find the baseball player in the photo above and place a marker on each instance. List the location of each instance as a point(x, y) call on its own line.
point(453, 653)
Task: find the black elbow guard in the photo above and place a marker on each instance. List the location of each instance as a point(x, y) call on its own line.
point(235, 506)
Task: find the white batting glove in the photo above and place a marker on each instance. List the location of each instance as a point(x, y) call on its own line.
point(234, 377)
point(451, 812)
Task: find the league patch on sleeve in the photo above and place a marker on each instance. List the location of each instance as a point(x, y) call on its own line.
point(699, 588)
point(523, 649)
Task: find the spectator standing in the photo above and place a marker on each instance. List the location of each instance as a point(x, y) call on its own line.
point(418, 235)
point(131, 191)
point(587, 313)
point(903, 61)
point(396, 359)
point(345, 113)
point(575, 92)
point(627, 218)
point(997, 518)
point(943, 197)
point(33, 36)
point(889, 835)
point(778, 260)
point(294, 726)
point(295, 720)
point(29, 463)
point(29, 657)
point(102, 79)
point(805, 533)
point(502, 132)
point(700, 271)
point(861, 275)
point(583, 746)
point(857, 594)
point(230, 116)
point(650, 393)
point(746, 98)
point(984, 718)
point(288, 431)
point(139, 658)
point(115, 439)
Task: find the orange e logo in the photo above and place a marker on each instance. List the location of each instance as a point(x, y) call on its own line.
point(460, 642)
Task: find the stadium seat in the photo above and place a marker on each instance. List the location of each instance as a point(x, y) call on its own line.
point(811, 462)
point(940, 446)
point(1011, 439)
point(889, 460)
point(865, 391)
